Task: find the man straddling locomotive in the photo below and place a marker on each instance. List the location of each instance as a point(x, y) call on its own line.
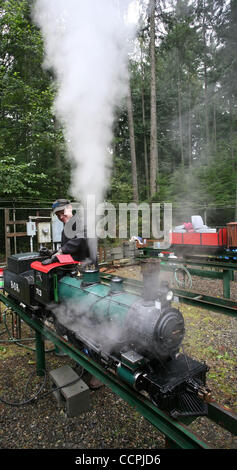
point(73, 240)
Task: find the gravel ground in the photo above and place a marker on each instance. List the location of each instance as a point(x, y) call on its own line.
point(111, 423)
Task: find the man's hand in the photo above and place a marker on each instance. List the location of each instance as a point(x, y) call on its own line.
point(59, 252)
point(53, 256)
point(44, 251)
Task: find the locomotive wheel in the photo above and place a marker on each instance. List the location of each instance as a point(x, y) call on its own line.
point(154, 399)
point(60, 329)
point(74, 341)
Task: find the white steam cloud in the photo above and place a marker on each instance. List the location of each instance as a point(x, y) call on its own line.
point(83, 322)
point(87, 45)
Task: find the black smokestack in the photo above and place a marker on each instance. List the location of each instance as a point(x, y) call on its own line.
point(151, 273)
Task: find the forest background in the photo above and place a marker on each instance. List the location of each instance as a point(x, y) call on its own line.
point(175, 136)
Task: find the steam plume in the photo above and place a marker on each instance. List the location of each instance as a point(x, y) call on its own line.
point(87, 46)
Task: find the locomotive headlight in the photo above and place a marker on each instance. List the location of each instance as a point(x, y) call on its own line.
point(165, 294)
point(169, 295)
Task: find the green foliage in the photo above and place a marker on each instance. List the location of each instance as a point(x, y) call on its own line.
point(19, 179)
point(120, 191)
point(30, 141)
point(196, 109)
point(221, 183)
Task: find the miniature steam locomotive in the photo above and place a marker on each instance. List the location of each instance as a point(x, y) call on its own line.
point(137, 337)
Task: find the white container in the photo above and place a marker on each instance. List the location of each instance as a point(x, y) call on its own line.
point(1, 279)
point(156, 245)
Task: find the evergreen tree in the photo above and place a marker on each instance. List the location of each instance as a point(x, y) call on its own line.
point(28, 132)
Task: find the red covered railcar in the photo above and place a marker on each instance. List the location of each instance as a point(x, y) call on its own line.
point(222, 239)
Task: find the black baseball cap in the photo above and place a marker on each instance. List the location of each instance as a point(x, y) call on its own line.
point(60, 204)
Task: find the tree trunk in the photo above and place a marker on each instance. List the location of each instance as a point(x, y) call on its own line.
point(205, 87)
point(145, 145)
point(154, 167)
point(144, 127)
point(180, 122)
point(132, 145)
point(231, 133)
point(189, 124)
point(58, 161)
point(214, 124)
point(232, 150)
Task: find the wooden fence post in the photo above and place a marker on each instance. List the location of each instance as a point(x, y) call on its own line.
point(7, 230)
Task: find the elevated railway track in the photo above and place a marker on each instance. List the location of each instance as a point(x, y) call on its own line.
point(177, 433)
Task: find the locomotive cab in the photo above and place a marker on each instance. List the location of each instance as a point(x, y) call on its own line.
point(19, 277)
point(46, 279)
point(27, 280)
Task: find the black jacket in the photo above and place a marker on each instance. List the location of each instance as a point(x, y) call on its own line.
point(76, 247)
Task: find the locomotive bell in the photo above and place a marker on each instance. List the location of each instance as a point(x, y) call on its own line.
point(151, 272)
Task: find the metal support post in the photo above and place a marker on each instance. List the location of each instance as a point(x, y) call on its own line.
point(226, 283)
point(40, 353)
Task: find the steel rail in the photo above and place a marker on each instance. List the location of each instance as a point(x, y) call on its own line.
point(207, 302)
point(223, 416)
point(197, 260)
point(219, 304)
point(174, 431)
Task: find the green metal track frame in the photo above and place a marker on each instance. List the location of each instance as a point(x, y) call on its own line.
point(207, 302)
point(225, 273)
